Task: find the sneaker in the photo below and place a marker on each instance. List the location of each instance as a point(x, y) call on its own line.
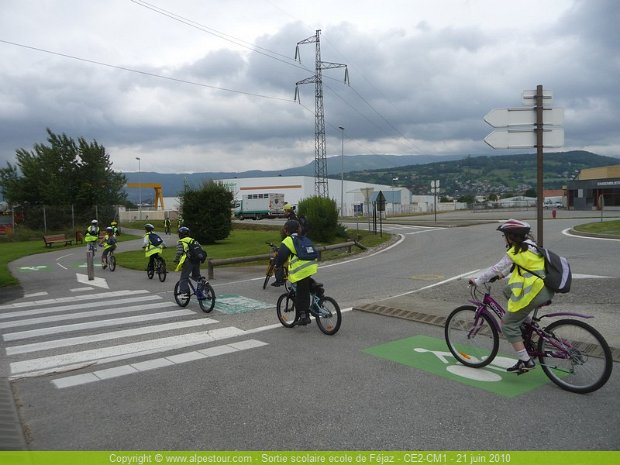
point(521, 366)
point(277, 283)
point(104, 266)
point(303, 320)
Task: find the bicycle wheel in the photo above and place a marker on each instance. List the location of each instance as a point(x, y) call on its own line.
point(206, 305)
point(181, 298)
point(575, 356)
point(473, 341)
point(329, 317)
point(269, 274)
point(111, 262)
point(285, 309)
point(161, 269)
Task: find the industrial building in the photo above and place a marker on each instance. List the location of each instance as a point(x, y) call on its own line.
point(595, 189)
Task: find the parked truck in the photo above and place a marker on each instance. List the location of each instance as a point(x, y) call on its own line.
point(258, 206)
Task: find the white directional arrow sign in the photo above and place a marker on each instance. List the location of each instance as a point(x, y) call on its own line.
point(529, 97)
point(523, 116)
point(524, 139)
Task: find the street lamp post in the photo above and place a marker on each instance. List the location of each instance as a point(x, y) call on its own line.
point(341, 171)
point(139, 191)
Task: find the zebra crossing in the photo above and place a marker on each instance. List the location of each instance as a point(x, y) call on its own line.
point(92, 337)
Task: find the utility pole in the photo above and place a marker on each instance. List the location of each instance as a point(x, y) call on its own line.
point(320, 160)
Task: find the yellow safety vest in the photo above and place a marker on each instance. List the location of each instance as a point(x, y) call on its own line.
point(524, 286)
point(150, 248)
point(91, 236)
point(105, 241)
point(185, 241)
point(298, 269)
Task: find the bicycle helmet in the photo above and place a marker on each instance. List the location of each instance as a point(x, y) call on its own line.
point(515, 227)
point(288, 207)
point(93, 222)
point(109, 229)
point(183, 232)
point(291, 226)
point(113, 223)
point(149, 227)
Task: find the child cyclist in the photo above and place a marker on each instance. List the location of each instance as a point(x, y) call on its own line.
point(299, 271)
point(525, 291)
point(109, 245)
point(151, 250)
point(186, 266)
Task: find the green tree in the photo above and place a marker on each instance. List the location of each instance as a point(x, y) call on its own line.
point(206, 212)
point(63, 173)
point(322, 216)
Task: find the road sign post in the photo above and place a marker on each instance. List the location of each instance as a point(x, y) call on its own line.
point(435, 191)
point(529, 127)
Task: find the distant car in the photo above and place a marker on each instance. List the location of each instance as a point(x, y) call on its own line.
point(554, 204)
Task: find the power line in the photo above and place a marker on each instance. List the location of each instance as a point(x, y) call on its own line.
point(272, 54)
point(145, 73)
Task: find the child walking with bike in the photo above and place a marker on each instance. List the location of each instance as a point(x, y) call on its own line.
point(525, 290)
point(186, 265)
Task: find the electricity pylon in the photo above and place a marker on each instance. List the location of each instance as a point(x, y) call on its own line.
point(320, 160)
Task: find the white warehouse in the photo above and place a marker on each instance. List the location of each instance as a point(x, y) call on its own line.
point(296, 188)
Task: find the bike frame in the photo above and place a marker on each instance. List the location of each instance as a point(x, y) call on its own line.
point(488, 302)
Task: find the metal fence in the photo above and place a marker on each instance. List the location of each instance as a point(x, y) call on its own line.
point(62, 218)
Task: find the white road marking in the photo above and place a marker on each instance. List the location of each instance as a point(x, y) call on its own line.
point(94, 324)
point(81, 305)
point(73, 341)
point(123, 370)
point(99, 282)
point(77, 316)
point(39, 303)
point(74, 360)
point(35, 294)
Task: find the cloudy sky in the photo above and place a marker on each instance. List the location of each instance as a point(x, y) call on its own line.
point(209, 85)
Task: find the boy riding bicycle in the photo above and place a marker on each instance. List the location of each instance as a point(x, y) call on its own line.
point(187, 266)
point(299, 271)
point(151, 250)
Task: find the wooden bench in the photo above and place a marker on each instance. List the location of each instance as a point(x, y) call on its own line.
point(56, 239)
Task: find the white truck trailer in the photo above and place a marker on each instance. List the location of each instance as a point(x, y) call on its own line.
point(258, 206)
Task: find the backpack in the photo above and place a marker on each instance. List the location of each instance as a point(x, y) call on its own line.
point(558, 274)
point(155, 240)
point(304, 248)
point(195, 253)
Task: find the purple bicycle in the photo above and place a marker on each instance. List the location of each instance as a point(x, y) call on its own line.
point(574, 355)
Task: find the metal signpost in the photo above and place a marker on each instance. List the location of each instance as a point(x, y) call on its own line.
point(536, 125)
point(435, 191)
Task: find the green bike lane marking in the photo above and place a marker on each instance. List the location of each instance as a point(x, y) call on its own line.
point(29, 269)
point(233, 303)
point(433, 356)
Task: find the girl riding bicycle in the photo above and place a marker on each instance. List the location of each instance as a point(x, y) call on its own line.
point(525, 291)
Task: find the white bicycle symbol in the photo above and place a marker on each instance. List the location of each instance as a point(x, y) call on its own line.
point(499, 364)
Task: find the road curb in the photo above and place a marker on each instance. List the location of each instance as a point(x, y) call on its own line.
point(11, 434)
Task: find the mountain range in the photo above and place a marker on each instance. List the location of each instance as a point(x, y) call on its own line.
point(458, 173)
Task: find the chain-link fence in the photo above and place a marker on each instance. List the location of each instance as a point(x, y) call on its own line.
point(62, 218)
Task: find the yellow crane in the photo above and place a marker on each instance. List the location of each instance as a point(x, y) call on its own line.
point(159, 195)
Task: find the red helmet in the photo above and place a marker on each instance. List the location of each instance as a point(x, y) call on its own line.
point(515, 227)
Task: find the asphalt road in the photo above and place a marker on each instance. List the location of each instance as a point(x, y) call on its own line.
point(111, 365)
